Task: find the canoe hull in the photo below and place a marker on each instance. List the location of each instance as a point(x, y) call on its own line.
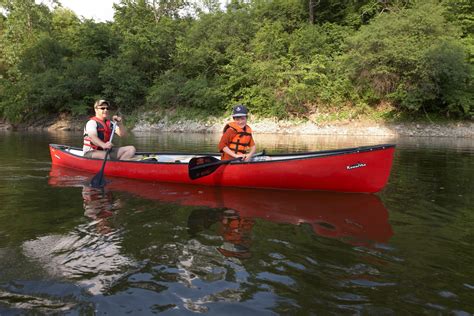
point(364, 169)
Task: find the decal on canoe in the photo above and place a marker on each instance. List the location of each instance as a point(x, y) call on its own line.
point(57, 156)
point(357, 165)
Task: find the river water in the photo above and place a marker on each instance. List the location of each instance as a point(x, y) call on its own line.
point(145, 248)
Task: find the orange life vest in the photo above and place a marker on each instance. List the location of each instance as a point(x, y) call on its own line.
point(237, 233)
point(241, 141)
point(237, 230)
point(104, 132)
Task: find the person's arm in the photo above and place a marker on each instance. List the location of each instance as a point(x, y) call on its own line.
point(228, 151)
point(120, 130)
point(248, 156)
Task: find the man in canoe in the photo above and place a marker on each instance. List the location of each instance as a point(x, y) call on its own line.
point(237, 140)
point(98, 131)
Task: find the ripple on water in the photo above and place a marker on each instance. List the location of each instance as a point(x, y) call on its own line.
point(469, 286)
point(366, 283)
point(447, 294)
point(94, 261)
point(36, 303)
point(350, 297)
point(276, 278)
point(22, 177)
point(42, 297)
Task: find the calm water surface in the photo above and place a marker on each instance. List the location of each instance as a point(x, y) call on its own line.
point(146, 248)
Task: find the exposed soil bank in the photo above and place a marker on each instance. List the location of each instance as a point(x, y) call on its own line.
point(459, 129)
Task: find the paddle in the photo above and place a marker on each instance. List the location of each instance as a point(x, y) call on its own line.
point(99, 181)
point(199, 167)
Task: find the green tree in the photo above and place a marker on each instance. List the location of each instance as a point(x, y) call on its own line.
point(123, 83)
point(95, 40)
point(147, 45)
point(289, 13)
point(461, 12)
point(24, 23)
point(394, 58)
point(281, 57)
point(208, 45)
point(65, 27)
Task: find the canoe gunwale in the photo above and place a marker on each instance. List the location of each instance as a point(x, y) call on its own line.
point(292, 156)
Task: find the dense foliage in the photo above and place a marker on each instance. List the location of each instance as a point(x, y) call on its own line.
point(284, 58)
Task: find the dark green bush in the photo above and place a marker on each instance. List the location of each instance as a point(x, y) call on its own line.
point(413, 58)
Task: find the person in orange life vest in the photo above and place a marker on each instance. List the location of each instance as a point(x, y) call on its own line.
point(237, 140)
point(97, 133)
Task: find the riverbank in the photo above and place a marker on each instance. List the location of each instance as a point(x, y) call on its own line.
point(356, 128)
point(269, 126)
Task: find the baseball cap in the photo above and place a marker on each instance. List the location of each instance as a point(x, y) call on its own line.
point(239, 110)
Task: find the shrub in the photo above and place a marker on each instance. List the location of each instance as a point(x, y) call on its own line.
point(411, 58)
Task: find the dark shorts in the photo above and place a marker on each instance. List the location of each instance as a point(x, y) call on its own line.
point(112, 155)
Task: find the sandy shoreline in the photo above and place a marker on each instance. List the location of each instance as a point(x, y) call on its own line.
point(267, 126)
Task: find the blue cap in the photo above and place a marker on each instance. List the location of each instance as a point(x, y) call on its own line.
point(239, 110)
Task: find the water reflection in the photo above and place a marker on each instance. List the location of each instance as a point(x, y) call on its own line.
point(99, 205)
point(357, 219)
point(164, 241)
point(201, 248)
point(236, 230)
point(90, 253)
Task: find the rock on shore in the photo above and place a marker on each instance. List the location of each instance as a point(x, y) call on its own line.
point(268, 126)
point(464, 129)
point(4, 126)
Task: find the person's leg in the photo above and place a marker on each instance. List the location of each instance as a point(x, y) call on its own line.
point(126, 152)
point(100, 154)
point(88, 154)
point(113, 154)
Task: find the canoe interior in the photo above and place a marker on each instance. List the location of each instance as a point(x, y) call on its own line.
point(179, 158)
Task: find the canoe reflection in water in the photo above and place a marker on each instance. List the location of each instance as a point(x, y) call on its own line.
point(357, 219)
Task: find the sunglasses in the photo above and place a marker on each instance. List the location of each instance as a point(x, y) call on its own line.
point(103, 108)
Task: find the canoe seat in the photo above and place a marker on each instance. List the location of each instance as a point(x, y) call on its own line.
point(172, 158)
point(76, 152)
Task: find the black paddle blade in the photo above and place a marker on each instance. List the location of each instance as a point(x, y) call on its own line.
point(202, 166)
point(98, 181)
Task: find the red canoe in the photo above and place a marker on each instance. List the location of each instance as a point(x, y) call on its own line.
point(358, 219)
point(362, 169)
